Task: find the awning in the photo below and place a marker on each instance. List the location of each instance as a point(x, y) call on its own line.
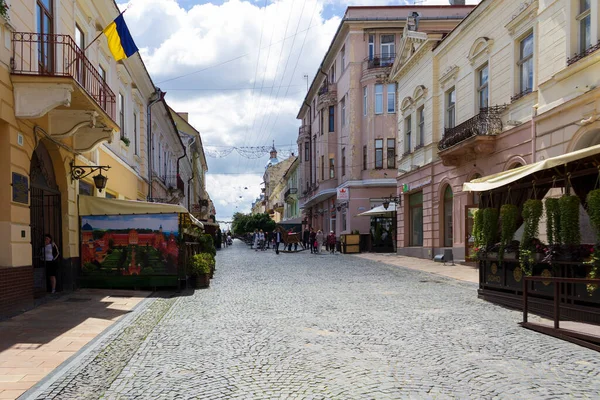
point(90, 205)
point(504, 178)
point(291, 221)
point(380, 211)
point(318, 198)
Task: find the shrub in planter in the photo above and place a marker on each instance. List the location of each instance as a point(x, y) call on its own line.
point(200, 270)
point(532, 213)
point(553, 221)
point(593, 210)
point(490, 227)
point(569, 220)
point(509, 215)
point(478, 228)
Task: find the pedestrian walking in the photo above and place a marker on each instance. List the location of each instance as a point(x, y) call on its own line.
point(50, 256)
point(320, 239)
point(312, 240)
point(261, 240)
point(255, 240)
point(331, 242)
point(306, 238)
point(277, 236)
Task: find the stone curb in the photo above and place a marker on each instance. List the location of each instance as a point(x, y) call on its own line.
point(77, 359)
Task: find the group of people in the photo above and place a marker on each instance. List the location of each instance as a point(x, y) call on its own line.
point(315, 239)
point(223, 239)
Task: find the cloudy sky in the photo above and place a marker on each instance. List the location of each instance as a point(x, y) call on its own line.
point(238, 67)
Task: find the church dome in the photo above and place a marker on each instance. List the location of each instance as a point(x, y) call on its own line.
point(273, 157)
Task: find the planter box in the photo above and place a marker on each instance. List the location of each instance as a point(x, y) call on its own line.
point(200, 281)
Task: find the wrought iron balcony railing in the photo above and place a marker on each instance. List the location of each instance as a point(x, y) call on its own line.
point(289, 192)
point(486, 123)
point(379, 61)
point(58, 55)
point(304, 130)
point(583, 54)
point(172, 182)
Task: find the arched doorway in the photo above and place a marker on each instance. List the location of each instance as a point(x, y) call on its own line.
point(448, 238)
point(45, 214)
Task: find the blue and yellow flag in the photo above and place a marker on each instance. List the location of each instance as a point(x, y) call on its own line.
point(120, 42)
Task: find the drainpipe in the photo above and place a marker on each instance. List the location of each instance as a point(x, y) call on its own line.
point(159, 96)
point(533, 135)
point(188, 189)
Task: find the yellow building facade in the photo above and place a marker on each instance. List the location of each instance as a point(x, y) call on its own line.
point(65, 102)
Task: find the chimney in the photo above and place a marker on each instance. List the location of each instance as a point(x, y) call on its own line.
point(184, 115)
point(457, 2)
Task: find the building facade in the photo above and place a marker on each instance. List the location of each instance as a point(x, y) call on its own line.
point(291, 211)
point(514, 83)
point(347, 139)
point(66, 104)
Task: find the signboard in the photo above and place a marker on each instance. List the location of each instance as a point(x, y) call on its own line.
point(126, 245)
point(343, 194)
point(20, 187)
point(196, 208)
point(407, 187)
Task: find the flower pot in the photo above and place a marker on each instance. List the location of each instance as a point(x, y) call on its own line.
point(510, 256)
point(202, 281)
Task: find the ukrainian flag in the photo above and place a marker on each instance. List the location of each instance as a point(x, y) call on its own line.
point(120, 42)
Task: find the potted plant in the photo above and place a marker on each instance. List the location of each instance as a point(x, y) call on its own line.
point(477, 233)
point(490, 229)
point(200, 271)
point(552, 226)
point(569, 225)
point(593, 210)
point(509, 216)
point(532, 213)
point(125, 140)
point(4, 10)
point(210, 259)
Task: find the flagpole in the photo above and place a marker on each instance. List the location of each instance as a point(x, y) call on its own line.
point(101, 32)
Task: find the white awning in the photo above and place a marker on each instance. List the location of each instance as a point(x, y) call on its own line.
point(504, 178)
point(90, 205)
point(380, 211)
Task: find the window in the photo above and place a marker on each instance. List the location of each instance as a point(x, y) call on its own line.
point(331, 168)
point(85, 188)
point(102, 72)
point(450, 106)
point(525, 64)
point(448, 198)
point(136, 136)
point(331, 118)
point(378, 153)
point(344, 161)
point(79, 37)
point(365, 101)
point(482, 86)
point(314, 107)
point(332, 74)
point(421, 125)
point(45, 25)
point(407, 134)
point(322, 168)
point(415, 228)
point(300, 154)
point(391, 98)
point(344, 218)
point(343, 58)
point(378, 99)
point(388, 50)
point(121, 106)
point(371, 46)
point(306, 151)
point(391, 153)
point(364, 158)
point(321, 122)
point(584, 22)
point(343, 103)
point(110, 196)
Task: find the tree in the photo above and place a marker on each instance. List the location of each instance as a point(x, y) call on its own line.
point(243, 223)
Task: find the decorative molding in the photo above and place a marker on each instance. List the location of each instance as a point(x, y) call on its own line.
point(419, 93)
point(526, 12)
point(406, 103)
point(480, 47)
point(34, 100)
point(82, 126)
point(449, 76)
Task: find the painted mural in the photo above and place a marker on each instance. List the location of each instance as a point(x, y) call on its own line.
point(129, 245)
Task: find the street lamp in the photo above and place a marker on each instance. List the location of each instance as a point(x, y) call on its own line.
point(81, 171)
point(391, 199)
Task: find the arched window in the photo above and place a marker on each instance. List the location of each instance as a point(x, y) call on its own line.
point(447, 215)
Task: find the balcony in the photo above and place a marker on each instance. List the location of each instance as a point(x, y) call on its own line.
point(289, 195)
point(304, 130)
point(52, 76)
point(327, 95)
point(583, 54)
point(473, 138)
point(377, 65)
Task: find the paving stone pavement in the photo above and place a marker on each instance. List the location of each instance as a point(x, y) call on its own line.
point(302, 326)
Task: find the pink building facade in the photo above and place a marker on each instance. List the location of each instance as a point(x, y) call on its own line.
point(347, 142)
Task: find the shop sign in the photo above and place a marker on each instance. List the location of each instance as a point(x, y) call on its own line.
point(407, 187)
point(20, 185)
point(343, 194)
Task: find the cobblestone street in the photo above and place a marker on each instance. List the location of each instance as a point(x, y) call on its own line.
point(324, 327)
